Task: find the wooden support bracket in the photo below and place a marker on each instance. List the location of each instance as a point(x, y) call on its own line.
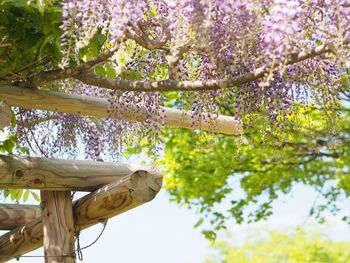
point(111, 200)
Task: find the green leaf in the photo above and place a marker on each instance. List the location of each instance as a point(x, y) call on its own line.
point(199, 222)
point(210, 235)
point(99, 70)
point(134, 75)
point(35, 196)
point(25, 196)
point(8, 146)
point(19, 193)
point(24, 150)
point(15, 194)
point(111, 73)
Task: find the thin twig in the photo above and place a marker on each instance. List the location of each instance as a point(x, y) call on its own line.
point(46, 77)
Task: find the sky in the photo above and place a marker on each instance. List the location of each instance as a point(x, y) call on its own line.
point(161, 231)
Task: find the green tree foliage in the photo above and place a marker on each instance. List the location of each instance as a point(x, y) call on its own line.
point(277, 247)
point(30, 36)
point(250, 172)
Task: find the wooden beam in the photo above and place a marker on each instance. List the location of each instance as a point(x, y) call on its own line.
point(110, 200)
point(60, 174)
point(21, 240)
point(58, 226)
point(115, 198)
point(13, 215)
point(90, 106)
point(5, 115)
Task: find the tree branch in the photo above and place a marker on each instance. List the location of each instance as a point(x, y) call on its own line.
point(46, 77)
point(173, 85)
point(80, 72)
point(140, 34)
point(176, 54)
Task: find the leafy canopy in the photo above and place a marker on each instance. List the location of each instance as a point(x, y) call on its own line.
point(252, 171)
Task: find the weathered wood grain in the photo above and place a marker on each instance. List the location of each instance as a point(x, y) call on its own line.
point(58, 226)
point(113, 199)
point(90, 106)
point(5, 115)
point(21, 240)
point(13, 215)
point(60, 174)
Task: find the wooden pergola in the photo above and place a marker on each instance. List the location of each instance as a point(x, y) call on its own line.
point(114, 187)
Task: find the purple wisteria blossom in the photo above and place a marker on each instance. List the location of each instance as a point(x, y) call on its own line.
point(208, 40)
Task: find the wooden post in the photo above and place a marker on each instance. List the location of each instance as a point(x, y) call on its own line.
point(13, 215)
point(109, 201)
point(5, 115)
point(90, 106)
point(58, 226)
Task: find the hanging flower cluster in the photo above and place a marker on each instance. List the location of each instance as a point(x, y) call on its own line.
point(200, 40)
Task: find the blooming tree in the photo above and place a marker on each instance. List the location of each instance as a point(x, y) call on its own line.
point(251, 56)
point(246, 58)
